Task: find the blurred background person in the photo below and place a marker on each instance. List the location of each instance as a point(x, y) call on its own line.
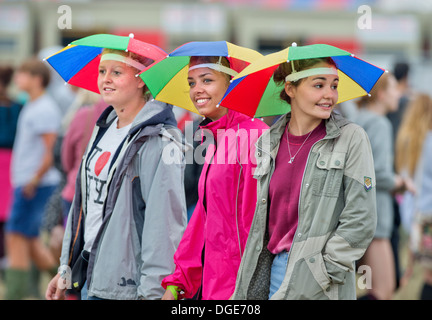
point(413, 160)
point(33, 178)
point(401, 72)
point(9, 112)
point(372, 117)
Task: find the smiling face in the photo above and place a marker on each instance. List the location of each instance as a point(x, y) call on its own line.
point(207, 88)
point(117, 83)
point(315, 97)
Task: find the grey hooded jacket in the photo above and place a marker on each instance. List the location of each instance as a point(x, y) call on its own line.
point(144, 214)
point(336, 223)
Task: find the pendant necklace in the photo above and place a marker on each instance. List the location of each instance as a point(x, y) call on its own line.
point(289, 151)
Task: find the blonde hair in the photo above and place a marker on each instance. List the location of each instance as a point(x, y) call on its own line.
point(143, 60)
point(416, 122)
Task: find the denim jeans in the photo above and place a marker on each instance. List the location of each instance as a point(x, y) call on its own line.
point(85, 296)
point(278, 271)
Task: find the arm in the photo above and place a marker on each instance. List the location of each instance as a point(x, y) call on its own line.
point(47, 162)
point(165, 218)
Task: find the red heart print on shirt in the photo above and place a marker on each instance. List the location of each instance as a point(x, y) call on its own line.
point(101, 162)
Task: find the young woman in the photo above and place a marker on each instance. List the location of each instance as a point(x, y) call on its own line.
point(127, 199)
point(372, 117)
point(211, 249)
point(413, 154)
point(315, 213)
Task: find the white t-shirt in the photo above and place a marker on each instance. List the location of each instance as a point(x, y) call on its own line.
point(37, 117)
point(97, 170)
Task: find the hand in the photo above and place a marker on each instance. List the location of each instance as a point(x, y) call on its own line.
point(29, 190)
point(168, 295)
point(54, 292)
point(409, 185)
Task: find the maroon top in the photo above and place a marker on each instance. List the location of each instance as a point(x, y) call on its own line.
point(285, 184)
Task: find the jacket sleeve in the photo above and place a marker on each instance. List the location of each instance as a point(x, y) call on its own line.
point(165, 218)
point(188, 257)
point(357, 221)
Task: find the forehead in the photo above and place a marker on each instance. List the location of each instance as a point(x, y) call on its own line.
point(112, 64)
point(203, 71)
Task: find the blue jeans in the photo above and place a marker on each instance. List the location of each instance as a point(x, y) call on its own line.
point(85, 296)
point(278, 271)
point(27, 214)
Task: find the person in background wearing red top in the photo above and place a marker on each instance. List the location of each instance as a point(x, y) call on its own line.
point(316, 211)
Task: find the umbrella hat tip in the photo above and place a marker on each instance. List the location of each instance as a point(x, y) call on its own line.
point(131, 35)
point(294, 44)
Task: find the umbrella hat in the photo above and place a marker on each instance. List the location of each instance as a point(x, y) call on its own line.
point(254, 92)
point(78, 62)
point(167, 80)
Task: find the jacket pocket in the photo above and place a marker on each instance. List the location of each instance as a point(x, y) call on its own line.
point(310, 280)
point(327, 178)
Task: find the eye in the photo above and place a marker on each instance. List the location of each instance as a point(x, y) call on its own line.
point(318, 85)
point(191, 83)
point(101, 71)
point(116, 73)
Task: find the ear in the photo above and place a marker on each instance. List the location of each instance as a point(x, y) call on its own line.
point(141, 83)
point(289, 89)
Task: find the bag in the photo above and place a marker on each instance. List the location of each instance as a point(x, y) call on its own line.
point(421, 239)
point(79, 271)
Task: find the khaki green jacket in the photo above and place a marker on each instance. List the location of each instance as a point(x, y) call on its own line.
point(336, 223)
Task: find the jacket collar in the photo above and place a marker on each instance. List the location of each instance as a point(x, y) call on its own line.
point(229, 120)
point(153, 113)
point(333, 130)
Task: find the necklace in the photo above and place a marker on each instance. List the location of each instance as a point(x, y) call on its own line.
point(289, 151)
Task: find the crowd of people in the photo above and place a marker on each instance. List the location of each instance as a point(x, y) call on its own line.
point(290, 214)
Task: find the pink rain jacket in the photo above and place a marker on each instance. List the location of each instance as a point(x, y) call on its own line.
point(210, 251)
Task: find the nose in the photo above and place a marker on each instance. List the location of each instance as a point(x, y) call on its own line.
point(105, 77)
point(331, 93)
point(197, 88)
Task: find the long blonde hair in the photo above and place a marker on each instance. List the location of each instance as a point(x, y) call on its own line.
point(416, 122)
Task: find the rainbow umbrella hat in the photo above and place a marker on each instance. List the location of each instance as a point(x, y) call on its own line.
point(253, 91)
point(78, 63)
point(167, 80)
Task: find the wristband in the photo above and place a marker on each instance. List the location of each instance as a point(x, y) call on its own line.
point(174, 290)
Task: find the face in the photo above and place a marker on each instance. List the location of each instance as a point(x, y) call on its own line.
point(24, 80)
point(207, 88)
point(117, 83)
point(315, 97)
point(390, 96)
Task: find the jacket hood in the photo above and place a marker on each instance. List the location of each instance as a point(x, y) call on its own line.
point(153, 113)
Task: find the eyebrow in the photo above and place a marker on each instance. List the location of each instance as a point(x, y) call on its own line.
point(323, 78)
point(201, 75)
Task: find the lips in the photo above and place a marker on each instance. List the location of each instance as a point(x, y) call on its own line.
point(201, 101)
point(325, 105)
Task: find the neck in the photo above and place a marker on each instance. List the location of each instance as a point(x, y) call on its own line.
point(377, 108)
point(300, 126)
point(35, 93)
point(126, 114)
